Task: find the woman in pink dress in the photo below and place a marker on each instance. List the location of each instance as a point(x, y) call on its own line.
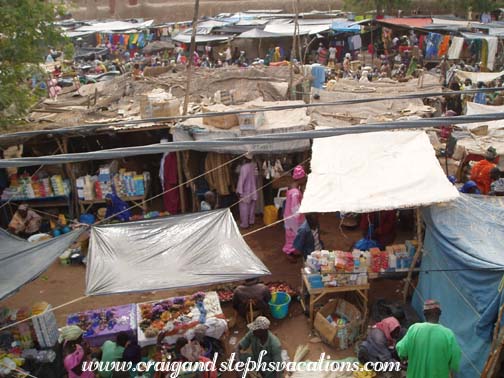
point(293, 219)
point(75, 352)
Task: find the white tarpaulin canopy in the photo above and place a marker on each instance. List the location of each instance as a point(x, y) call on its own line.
point(114, 26)
point(22, 261)
point(475, 77)
point(374, 171)
point(493, 126)
point(165, 253)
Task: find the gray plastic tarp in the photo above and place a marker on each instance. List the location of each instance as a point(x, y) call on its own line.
point(22, 261)
point(165, 253)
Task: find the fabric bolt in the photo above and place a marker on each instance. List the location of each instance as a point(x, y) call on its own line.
point(126, 40)
point(455, 48)
point(293, 219)
point(121, 39)
point(171, 199)
point(116, 38)
point(219, 179)
point(431, 350)
point(134, 40)
point(444, 45)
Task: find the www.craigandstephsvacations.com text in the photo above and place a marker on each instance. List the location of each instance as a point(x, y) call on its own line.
point(175, 368)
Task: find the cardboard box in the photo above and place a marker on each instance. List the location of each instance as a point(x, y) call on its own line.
point(340, 337)
point(222, 122)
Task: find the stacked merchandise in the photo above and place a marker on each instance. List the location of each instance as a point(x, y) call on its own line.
point(26, 187)
point(126, 184)
point(400, 256)
point(336, 268)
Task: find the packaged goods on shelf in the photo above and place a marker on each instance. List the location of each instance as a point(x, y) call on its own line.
point(26, 188)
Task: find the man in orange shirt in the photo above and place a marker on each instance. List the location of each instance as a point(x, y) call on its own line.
point(480, 172)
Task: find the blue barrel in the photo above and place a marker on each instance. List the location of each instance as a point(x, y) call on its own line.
point(87, 218)
point(279, 304)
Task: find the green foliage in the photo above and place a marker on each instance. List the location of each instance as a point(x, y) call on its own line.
point(69, 51)
point(26, 34)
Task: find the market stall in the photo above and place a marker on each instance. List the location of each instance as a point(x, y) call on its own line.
point(105, 323)
point(128, 185)
point(28, 343)
point(329, 272)
point(39, 191)
point(177, 316)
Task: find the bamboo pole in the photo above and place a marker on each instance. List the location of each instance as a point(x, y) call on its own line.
point(418, 253)
point(186, 97)
point(293, 54)
point(191, 53)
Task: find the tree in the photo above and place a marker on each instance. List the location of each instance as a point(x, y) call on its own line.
point(27, 31)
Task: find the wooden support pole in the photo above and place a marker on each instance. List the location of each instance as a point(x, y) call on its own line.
point(417, 256)
point(191, 53)
point(186, 98)
point(180, 179)
point(73, 208)
point(291, 92)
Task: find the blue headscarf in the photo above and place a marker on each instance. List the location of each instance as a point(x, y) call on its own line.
point(118, 206)
point(468, 186)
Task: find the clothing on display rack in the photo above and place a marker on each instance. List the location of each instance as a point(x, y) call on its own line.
point(219, 179)
point(169, 180)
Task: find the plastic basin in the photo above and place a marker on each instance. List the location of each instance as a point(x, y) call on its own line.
point(279, 304)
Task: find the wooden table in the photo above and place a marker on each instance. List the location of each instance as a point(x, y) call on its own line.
point(85, 205)
point(317, 294)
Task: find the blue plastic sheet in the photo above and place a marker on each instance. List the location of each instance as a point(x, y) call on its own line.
point(462, 267)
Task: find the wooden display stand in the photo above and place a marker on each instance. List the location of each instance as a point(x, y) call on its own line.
point(85, 205)
point(43, 202)
point(317, 294)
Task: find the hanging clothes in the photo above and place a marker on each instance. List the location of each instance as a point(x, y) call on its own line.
point(432, 45)
point(98, 39)
point(492, 51)
point(115, 39)
point(421, 42)
point(126, 40)
point(355, 42)
point(484, 52)
point(443, 46)
point(169, 180)
point(134, 40)
point(141, 41)
point(456, 48)
point(247, 190)
point(218, 179)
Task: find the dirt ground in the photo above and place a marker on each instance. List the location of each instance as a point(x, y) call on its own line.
point(63, 283)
